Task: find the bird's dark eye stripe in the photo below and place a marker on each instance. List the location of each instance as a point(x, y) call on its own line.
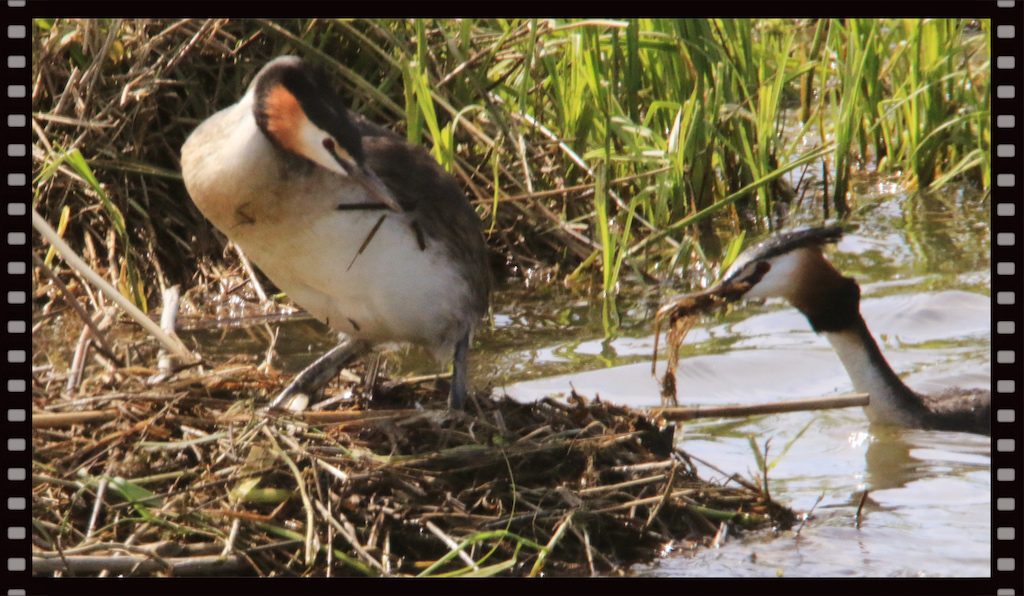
point(328, 143)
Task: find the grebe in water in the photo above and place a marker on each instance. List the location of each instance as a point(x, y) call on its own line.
point(791, 265)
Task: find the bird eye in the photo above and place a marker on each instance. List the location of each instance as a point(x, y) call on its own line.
point(339, 154)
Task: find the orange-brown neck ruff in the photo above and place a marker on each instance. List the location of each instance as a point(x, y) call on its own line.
point(284, 118)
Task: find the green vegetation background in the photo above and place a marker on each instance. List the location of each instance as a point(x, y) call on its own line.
point(591, 149)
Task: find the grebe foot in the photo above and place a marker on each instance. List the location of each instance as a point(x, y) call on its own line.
point(457, 397)
point(316, 376)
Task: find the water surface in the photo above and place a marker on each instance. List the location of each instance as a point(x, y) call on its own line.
point(923, 267)
point(923, 264)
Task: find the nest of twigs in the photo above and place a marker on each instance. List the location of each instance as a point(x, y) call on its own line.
point(183, 477)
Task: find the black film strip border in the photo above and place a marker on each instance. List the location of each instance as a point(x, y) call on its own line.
point(1007, 66)
point(17, 340)
point(1007, 63)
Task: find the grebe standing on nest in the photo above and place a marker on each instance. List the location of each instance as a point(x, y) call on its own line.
point(363, 230)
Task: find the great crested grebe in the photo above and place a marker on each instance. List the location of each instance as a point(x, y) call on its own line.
point(791, 265)
point(363, 230)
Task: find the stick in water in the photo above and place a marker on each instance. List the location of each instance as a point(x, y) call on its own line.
point(797, 405)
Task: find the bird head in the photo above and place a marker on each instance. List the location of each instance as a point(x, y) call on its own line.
point(792, 265)
point(298, 111)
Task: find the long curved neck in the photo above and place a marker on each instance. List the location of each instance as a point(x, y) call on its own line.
point(831, 303)
point(891, 400)
point(231, 171)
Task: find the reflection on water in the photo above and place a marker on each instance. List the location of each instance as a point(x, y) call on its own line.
point(923, 266)
point(927, 510)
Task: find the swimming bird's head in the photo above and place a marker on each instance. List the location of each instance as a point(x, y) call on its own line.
point(791, 265)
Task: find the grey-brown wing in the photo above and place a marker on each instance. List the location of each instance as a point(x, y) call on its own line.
point(960, 409)
point(436, 202)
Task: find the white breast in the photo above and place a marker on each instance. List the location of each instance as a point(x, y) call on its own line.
point(887, 402)
point(392, 291)
point(288, 224)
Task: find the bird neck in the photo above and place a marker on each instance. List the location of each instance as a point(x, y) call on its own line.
point(891, 400)
point(230, 168)
point(831, 303)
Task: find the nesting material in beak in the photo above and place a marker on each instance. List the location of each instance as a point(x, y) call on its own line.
point(778, 266)
point(682, 312)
